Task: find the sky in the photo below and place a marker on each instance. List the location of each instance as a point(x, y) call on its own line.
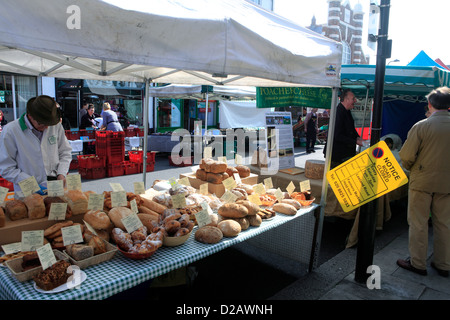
point(413, 26)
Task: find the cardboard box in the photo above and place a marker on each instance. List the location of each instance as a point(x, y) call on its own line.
point(217, 189)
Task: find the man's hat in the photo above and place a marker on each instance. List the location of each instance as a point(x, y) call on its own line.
point(44, 110)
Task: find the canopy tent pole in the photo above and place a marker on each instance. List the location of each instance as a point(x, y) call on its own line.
point(364, 117)
point(323, 199)
point(206, 117)
point(145, 118)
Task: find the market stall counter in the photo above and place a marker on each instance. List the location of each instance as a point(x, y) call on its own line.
point(121, 273)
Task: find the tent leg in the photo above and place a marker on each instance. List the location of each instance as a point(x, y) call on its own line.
point(145, 118)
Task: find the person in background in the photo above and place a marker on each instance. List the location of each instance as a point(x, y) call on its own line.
point(110, 119)
point(83, 111)
point(3, 121)
point(345, 136)
point(311, 130)
point(88, 120)
point(35, 145)
point(426, 155)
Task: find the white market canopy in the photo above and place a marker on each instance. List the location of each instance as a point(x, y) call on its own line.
point(201, 92)
point(165, 41)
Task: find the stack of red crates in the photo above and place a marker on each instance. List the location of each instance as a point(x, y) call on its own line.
point(91, 166)
point(111, 145)
point(138, 157)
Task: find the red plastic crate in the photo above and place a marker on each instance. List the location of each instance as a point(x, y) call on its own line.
point(88, 133)
point(139, 132)
point(150, 167)
point(185, 161)
point(130, 132)
point(92, 173)
point(6, 184)
point(73, 164)
point(137, 156)
point(72, 135)
point(116, 169)
point(111, 145)
point(90, 161)
point(131, 167)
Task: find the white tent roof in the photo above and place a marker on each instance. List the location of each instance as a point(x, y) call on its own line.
point(166, 41)
point(177, 91)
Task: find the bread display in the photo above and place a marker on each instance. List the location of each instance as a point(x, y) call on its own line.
point(53, 276)
point(77, 200)
point(16, 210)
point(35, 206)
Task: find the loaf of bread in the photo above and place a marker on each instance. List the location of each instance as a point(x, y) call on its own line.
point(117, 214)
point(53, 276)
point(148, 220)
point(255, 221)
point(30, 261)
point(16, 209)
point(314, 169)
point(292, 202)
point(97, 219)
point(77, 200)
point(244, 171)
point(152, 205)
point(216, 178)
point(233, 210)
point(97, 244)
point(285, 208)
point(252, 208)
point(213, 166)
point(2, 217)
point(229, 228)
point(80, 251)
point(201, 174)
point(231, 171)
point(35, 206)
point(243, 222)
point(51, 232)
point(49, 200)
point(208, 234)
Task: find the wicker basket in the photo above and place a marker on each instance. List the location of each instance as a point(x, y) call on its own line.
point(99, 258)
point(15, 266)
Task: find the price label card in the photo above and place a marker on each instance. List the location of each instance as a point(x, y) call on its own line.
point(118, 199)
point(238, 159)
point(3, 194)
point(116, 186)
point(46, 256)
point(89, 227)
point(184, 181)
point(290, 188)
point(255, 199)
point(139, 187)
point(132, 222)
point(12, 247)
point(204, 188)
point(228, 197)
point(305, 185)
point(31, 240)
point(72, 235)
point(174, 183)
point(73, 182)
point(29, 186)
point(229, 183)
point(57, 211)
point(268, 183)
point(237, 178)
point(134, 206)
point(223, 159)
point(96, 201)
point(179, 200)
point(259, 189)
point(55, 188)
point(207, 152)
point(279, 194)
point(202, 218)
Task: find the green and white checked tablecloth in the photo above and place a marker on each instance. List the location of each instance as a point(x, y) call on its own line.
point(120, 273)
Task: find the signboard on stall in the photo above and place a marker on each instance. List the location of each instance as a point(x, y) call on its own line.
point(279, 140)
point(365, 177)
point(278, 97)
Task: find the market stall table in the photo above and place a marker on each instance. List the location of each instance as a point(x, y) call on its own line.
point(120, 273)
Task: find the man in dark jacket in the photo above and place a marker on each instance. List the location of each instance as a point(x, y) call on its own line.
point(345, 135)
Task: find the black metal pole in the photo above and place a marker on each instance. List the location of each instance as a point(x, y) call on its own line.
point(368, 212)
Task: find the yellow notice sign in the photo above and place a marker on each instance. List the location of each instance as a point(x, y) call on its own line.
point(365, 177)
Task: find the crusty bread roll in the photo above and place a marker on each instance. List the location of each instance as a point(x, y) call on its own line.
point(117, 214)
point(233, 210)
point(244, 171)
point(201, 174)
point(57, 227)
point(213, 166)
point(292, 202)
point(255, 221)
point(230, 228)
point(77, 201)
point(285, 208)
point(16, 209)
point(251, 207)
point(216, 178)
point(97, 219)
point(231, 171)
point(35, 206)
point(243, 222)
point(153, 205)
point(208, 234)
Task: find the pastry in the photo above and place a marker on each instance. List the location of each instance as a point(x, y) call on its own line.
point(122, 239)
point(35, 206)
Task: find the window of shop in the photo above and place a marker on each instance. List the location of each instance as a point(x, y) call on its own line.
point(169, 114)
point(15, 91)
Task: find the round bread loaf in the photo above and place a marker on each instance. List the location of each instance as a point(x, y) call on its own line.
point(244, 223)
point(97, 219)
point(233, 210)
point(244, 171)
point(255, 221)
point(314, 169)
point(208, 234)
point(230, 228)
point(117, 214)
